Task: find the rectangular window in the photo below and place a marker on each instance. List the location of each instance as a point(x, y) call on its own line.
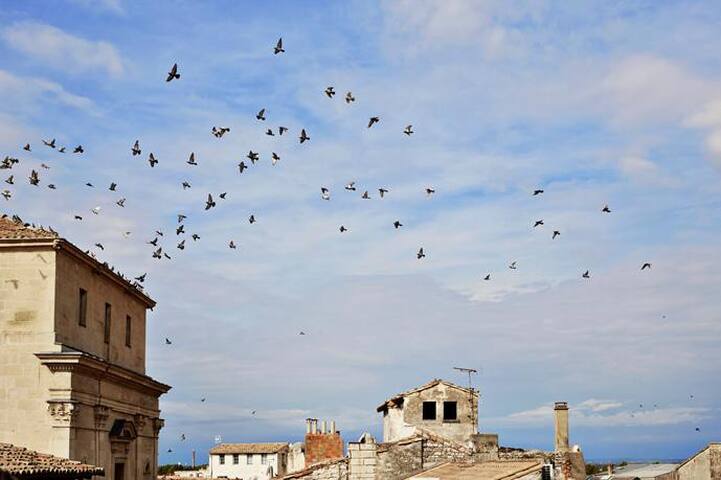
point(450, 411)
point(222, 459)
point(250, 459)
point(128, 332)
point(264, 459)
point(235, 458)
point(108, 314)
point(83, 308)
point(429, 410)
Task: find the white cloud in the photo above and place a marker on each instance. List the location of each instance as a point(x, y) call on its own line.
point(16, 91)
point(62, 50)
point(112, 6)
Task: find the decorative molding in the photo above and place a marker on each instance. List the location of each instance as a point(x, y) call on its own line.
point(63, 412)
point(140, 421)
point(101, 416)
point(158, 423)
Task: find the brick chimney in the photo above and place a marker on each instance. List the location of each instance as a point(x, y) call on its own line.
point(323, 445)
point(561, 411)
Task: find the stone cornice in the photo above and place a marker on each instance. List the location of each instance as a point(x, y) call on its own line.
point(95, 367)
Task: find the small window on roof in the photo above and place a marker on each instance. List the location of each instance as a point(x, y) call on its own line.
point(429, 410)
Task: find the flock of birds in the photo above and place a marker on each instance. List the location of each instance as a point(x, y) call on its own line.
point(160, 252)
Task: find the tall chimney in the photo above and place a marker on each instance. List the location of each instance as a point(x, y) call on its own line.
point(314, 425)
point(332, 426)
point(322, 427)
point(307, 425)
point(561, 411)
point(610, 469)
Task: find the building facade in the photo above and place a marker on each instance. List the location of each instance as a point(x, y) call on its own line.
point(248, 461)
point(72, 357)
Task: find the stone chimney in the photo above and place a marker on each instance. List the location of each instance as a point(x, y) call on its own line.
point(323, 445)
point(610, 469)
point(561, 411)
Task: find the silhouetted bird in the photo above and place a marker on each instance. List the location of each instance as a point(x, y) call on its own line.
point(373, 121)
point(279, 47)
point(173, 73)
point(420, 254)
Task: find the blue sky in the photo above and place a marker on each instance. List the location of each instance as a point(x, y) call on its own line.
point(594, 102)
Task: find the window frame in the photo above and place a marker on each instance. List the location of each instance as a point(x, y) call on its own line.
point(82, 307)
point(435, 411)
point(107, 321)
point(236, 459)
point(221, 458)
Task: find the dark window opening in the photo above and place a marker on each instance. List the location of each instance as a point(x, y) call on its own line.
point(222, 459)
point(450, 411)
point(235, 459)
point(82, 308)
point(128, 332)
point(429, 410)
point(108, 314)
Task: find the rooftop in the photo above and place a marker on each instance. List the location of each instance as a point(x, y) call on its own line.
point(425, 386)
point(24, 463)
point(643, 470)
point(248, 448)
point(15, 228)
point(494, 470)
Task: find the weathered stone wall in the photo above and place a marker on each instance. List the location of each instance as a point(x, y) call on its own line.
point(715, 460)
point(400, 459)
point(705, 465)
point(329, 470)
point(363, 460)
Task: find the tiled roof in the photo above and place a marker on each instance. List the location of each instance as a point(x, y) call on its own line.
point(22, 462)
point(425, 386)
point(16, 229)
point(246, 448)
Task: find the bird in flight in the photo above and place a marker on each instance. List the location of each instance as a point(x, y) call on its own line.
point(113, 186)
point(487, 277)
point(253, 156)
point(274, 158)
point(372, 121)
point(191, 160)
point(538, 223)
point(173, 73)
point(605, 209)
point(181, 245)
point(430, 191)
point(270, 133)
point(251, 219)
point(512, 266)
point(167, 341)
point(278, 47)
point(231, 244)
point(342, 229)
point(219, 132)
point(242, 166)
point(34, 179)
point(50, 143)
point(409, 130)
point(79, 149)
point(365, 195)
point(350, 186)
point(555, 234)
point(301, 332)
point(209, 203)
point(330, 92)
point(27, 147)
point(303, 136)
point(141, 278)
point(121, 202)
point(282, 130)
point(382, 191)
point(136, 148)
point(349, 97)
point(100, 246)
point(420, 254)
point(645, 266)
point(397, 224)
point(186, 185)
point(152, 160)
point(261, 114)
point(324, 193)
point(586, 274)
point(537, 192)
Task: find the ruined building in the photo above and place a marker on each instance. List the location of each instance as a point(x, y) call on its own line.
point(72, 357)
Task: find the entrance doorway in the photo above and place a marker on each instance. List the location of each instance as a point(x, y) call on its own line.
point(119, 471)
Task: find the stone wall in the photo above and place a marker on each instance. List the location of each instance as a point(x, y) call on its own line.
point(705, 465)
point(400, 459)
point(328, 470)
point(320, 447)
point(363, 459)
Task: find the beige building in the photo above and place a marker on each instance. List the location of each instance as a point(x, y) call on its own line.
point(248, 461)
point(72, 357)
point(438, 406)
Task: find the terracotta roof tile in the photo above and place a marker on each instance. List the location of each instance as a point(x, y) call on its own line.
point(20, 461)
point(15, 228)
point(246, 448)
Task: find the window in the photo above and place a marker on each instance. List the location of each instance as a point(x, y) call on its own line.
point(222, 459)
point(429, 410)
point(108, 314)
point(264, 458)
point(128, 324)
point(235, 458)
point(450, 411)
point(250, 459)
point(82, 308)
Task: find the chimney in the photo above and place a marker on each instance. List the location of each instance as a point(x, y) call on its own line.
point(322, 427)
point(322, 445)
point(314, 425)
point(610, 469)
point(332, 426)
point(561, 411)
point(307, 425)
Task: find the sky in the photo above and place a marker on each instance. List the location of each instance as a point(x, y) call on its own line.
point(596, 103)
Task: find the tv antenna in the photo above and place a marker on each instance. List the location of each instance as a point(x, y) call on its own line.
point(470, 371)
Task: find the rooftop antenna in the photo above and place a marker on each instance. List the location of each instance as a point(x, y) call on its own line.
point(470, 371)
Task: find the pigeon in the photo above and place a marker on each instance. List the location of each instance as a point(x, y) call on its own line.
point(512, 266)
point(121, 202)
point(181, 245)
point(222, 195)
point(191, 160)
point(51, 186)
point(372, 121)
point(195, 237)
point(45, 166)
point(430, 191)
point(349, 97)
point(555, 234)
point(303, 136)
point(261, 114)
point(154, 242)
point(27, 147)
point(278, 47)
point(182, 436)
point(159, 233)
point(698, 429)
point(209, 203)
point(219, 132)
point(274, 158)
point(342, 229)
point(180, 229)
point(202, 400)
point(251, 219)
point(10, 180)
point(158, 253)
point(152, 160)
point(232, 244)
point(586, 274)
point(34, 180)
point(136, 148)
point(186, 185)
point(88, 184)
point(365, 195)
point(253, 412)
point(79, 149)
point(253, 156)
point(282, 130)
point(487, 277)
point(330, 92)
point(420, 254)
point(141, 278)
point(324, 193)
point(269, 132)
point(50, 143)
point(61, 150)
point(301, 333)
point(100, 246)
point(113, 186)
point(173, 73)
point(605, 209)
point(409, 130)
point(167, 341)
point(537, 192)
point(78, 217)
point(538, 223)
point(96, 210)
point(645, 266)
point(350, 186)
point(382, 191)
point(397, 224)
point(170, 450)
point(7, 194)
point(242, 166)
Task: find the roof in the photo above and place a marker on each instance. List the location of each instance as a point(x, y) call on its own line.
point(24, 463)
point(246, 448)
point(644, 470)
point(494, 470)
point(425, 386)
point(14, 232)
point(312, 468)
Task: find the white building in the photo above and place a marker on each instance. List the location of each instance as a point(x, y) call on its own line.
point(248, 461)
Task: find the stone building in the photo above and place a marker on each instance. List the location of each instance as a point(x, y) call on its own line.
point(72, 356)
point(249, 461)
